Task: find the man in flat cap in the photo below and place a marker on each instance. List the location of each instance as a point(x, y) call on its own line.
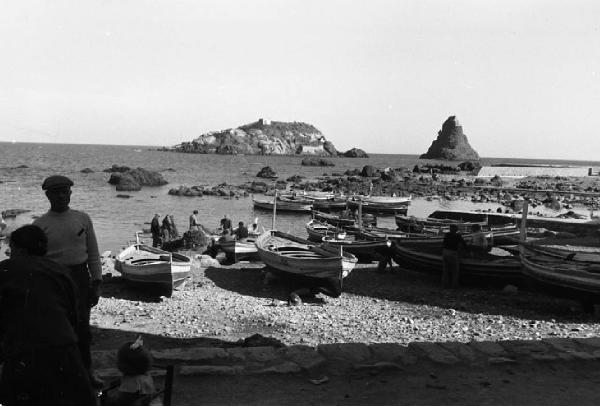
point(72, 242)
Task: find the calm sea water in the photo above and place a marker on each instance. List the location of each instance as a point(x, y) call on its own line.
point(117, 219)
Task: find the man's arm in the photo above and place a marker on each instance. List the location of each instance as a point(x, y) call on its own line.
point(93, 261)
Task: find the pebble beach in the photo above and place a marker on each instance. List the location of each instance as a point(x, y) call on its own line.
point(223, 304)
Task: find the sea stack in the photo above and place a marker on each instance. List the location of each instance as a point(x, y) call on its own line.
point(451, 143)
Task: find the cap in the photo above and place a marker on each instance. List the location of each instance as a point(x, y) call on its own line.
point(56, 181)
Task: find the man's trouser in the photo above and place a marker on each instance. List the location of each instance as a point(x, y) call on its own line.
point(81, 277)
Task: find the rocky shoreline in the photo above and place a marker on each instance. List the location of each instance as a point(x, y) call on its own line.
point(433, 181)
point(224, 304)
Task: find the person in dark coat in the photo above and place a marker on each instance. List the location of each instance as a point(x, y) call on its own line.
point(452, 246)
point(155, 230)
point(241, 233)
point(225, 223)
point(39, 328)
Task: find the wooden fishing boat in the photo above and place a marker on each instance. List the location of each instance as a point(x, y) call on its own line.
point(240, 249)
point(150, 267)
point(496, 236)
point(364, 250)
point(317, 230)
point(564, 277)
point(381, 204)
point(428, 258)
point(345, 221)
point(431, 225)
point(282, 205)
point(576, 226)
point(567, 252)
point(333, 204)
point(293, 255)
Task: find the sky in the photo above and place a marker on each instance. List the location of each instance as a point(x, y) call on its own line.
point(522, 77)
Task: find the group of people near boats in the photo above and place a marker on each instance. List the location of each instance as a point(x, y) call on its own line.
point(240, 233)
point(163, 231)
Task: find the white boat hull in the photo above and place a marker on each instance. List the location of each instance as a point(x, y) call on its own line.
point(153, 268)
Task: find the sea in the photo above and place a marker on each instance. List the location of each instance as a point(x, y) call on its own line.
point(23, 167)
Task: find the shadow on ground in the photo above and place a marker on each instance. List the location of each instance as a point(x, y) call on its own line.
point(112, 339)
point(403, 285)
point(420, 288)
point(118, 288)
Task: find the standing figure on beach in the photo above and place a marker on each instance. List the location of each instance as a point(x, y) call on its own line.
point(479, 244)
point(452, 246)
point(168, 228)
point(174, 231)
point(72, 242)
point(39, 325)
point(155, 230)
point(194, 225)
point(225, 223)
point(241, 233)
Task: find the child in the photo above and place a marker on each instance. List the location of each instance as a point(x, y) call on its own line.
point(134, 362)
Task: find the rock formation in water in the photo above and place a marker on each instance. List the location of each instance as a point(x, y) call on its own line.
point(451, 143)
point(267, 172)
point(134, 179)
point(355, 153)
point(263, 137)
point(314, 161)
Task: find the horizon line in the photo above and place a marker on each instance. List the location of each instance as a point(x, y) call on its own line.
point(12, 142)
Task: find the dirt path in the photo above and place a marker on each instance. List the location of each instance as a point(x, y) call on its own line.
point(562, 383)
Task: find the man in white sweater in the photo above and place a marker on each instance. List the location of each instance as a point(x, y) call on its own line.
point(72, 242)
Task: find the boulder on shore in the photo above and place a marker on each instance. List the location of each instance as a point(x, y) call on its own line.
point(134, 179)
point(369, 171)
point(316, 161)
point(451, 143)
point(355, 153)
point(117, 168)
point(267, 172)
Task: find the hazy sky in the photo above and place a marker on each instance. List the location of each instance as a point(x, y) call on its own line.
point(523, 77)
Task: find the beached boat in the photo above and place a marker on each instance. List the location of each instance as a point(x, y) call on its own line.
point(564, 277)
point(317, 230)
point(381, 204)
point(240, 249)
point(289, 254)
point(150, 267)
point(333, 204)
point(495, 235)
point(550, 248)
point(414, 224)
point(345, 221)
point(364, 250)
point(282, 205)
point(571, 225)
point(429, 258)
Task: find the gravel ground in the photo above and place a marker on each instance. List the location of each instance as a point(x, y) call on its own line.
point(224, 304)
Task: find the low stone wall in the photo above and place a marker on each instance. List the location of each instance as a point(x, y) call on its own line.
point(298, 358)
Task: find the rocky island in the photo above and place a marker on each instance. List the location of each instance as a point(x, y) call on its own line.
point(451, 143)
point(264, 137)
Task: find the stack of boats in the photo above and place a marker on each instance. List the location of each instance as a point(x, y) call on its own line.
point(331, 202)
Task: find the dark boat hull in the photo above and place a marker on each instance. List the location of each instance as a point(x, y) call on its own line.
point(490, 268)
